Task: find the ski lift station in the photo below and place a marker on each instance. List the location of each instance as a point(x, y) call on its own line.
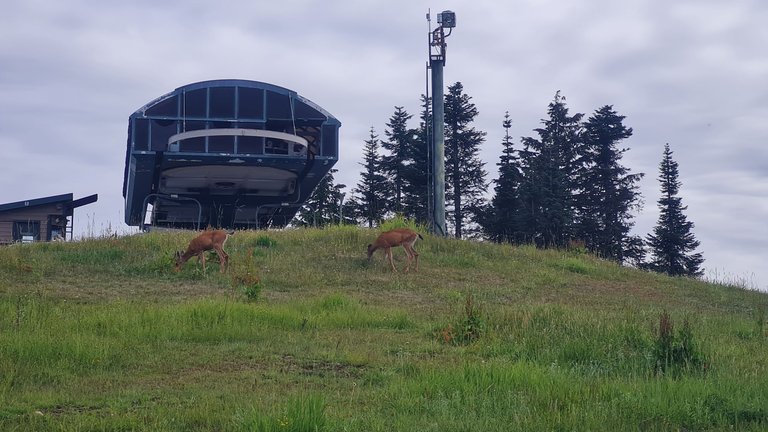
point(225, 153)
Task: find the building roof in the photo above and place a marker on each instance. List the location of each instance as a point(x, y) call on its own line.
point(54, 199)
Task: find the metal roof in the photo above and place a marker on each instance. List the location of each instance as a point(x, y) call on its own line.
point(54, 199)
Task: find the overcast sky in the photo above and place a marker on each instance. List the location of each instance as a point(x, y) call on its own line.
point(691, 73)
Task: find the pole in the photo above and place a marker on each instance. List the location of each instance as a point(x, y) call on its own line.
point(438, 144)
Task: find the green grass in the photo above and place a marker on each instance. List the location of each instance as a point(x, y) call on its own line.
point(103, 335)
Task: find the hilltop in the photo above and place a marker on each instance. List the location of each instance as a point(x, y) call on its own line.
point(303, 332)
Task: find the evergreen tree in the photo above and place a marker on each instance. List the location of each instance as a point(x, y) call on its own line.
point(370, 196)
point(398, 145)
point(323, 206)
point(672, 242)
point(549, 165)
point(464, 173)
point(416, 185)
point(608, 192)
point(501, 220)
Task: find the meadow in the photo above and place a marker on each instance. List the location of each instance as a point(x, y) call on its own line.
point(303, 334)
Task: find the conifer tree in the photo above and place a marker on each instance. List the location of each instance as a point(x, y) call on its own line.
point(464, 172)
point(501, 220)
point(608, 192)
point(550, 164)
point(323, 206)
point(672, 242)
point(370, 196)
point(416, 185)
point(398, 145)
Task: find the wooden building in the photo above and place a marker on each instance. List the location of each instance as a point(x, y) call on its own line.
point(40, 219)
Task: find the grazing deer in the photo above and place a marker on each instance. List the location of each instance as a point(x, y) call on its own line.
point(397, 237)
point(204, 242)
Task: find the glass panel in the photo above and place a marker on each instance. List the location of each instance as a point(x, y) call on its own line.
point(275, 146)
point(222, 102)
point(195, 104)
point(279, 126)
point(220, 125)
point(304, 111)
point(250, 103)
point(161, 130)
point(221, 144)
point(140, 134)
point(194, 145)
point(278, 106)
point(330, 142)
point(26, 231)
point(165, 108)
point(250, 145)
point(192, 125)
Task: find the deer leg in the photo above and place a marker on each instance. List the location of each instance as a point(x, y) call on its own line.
point(388, 252)
point(415, 254)
point(408, 255)
point(201, 258)
point(223, 259)
point(412, 254)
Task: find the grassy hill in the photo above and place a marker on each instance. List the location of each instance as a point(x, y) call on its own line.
point(303, 334)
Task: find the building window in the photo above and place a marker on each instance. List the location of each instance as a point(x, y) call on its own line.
point(26, 231)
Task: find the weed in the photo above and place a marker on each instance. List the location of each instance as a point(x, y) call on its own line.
point(674, 353)
point(251, 291)
point(469, 329)
point(247, 280)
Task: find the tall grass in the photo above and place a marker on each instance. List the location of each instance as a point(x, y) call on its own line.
point(103, 335)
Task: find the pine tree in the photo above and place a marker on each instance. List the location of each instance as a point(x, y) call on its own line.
point(416, 185)
point(464, 173)
point(323, 206)
point(549, 165)
point(672, 240)
point(608, 192)
point(501, 221)
point(370, 196)
point(398, 145)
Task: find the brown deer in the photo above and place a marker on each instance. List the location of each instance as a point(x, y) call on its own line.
point(397, 237)
point(204, 242)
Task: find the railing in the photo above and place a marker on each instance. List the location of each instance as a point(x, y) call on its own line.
point(278, 143)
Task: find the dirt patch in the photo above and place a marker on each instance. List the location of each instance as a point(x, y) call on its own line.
point(320, 368)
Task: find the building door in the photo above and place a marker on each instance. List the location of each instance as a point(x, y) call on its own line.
point(26, 231)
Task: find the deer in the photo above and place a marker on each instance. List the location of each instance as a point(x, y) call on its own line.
point(208, 240)
point(397, 237)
